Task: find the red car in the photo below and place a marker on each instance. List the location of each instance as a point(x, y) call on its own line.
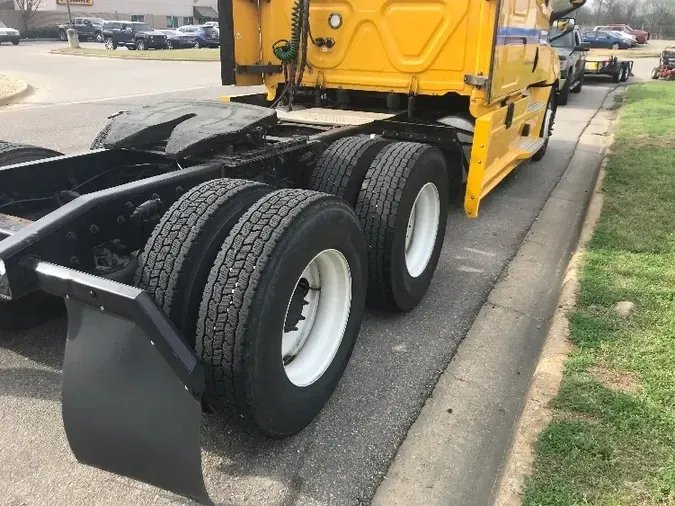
point(640, 35)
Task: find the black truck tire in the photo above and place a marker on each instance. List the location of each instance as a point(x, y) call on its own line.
point(564, 94)
point(97, 143)
point(141, 45)
point(175, 263)
point(580, 86)
point(342, 167)
point(656, 72)
point(403, 210)
point(36, 307)
point(293, 267)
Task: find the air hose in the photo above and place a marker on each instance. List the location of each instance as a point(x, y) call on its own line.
point(287, 51)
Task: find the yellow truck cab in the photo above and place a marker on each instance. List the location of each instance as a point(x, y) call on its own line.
point(478, 65)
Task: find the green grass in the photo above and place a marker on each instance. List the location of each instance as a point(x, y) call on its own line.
point(612, 441)
point(152, 54)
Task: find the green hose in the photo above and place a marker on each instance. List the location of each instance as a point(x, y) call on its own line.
point(287, 51)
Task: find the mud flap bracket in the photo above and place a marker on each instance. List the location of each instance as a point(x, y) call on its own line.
point(131, 384)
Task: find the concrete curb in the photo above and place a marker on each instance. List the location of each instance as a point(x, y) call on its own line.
point(15, 95)
point(455, 452)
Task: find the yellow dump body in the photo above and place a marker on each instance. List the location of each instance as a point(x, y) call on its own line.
point(423, 47)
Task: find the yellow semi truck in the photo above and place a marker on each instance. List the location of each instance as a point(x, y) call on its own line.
point(219, 255)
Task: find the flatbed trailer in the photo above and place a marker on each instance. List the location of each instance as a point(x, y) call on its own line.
point(218, 256)
point(619, 70)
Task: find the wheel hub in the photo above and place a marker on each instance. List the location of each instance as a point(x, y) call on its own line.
point(422, 230)
point(316, 318)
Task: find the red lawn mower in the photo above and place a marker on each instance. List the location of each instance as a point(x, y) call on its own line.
point(666, 68)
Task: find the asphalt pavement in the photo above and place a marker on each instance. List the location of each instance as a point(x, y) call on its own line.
point(342, 457)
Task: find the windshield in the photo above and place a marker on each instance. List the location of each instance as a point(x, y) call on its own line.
point(209, 30)
point(143, 27)
point(566, 40)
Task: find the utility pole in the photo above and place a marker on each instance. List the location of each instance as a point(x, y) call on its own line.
point(73, 41)
point(70, 17)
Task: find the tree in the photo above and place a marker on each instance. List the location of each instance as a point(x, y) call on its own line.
point(28, 8)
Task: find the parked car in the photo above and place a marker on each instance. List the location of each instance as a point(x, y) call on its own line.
point(205, 36)
point(8, 34)
point(213, 24)
point(627, 36)
point(176, 39)
point(640, 35)
point(133, 35)
point(572, 53)
point(86, 28)
point(605, 39)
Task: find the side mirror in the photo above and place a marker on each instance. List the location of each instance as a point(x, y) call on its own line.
point(565, 25)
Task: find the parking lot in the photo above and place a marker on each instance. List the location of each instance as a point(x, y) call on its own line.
point(342, 457)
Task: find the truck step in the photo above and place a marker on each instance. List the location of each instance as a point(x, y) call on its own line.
point(528, 145)
point(535, 106)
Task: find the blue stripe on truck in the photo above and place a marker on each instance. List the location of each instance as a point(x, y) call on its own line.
point(510, 35)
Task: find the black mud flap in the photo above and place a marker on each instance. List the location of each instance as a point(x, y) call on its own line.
point(130, 384)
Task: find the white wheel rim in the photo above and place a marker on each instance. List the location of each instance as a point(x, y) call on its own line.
point(309, 347)
point(420, 237)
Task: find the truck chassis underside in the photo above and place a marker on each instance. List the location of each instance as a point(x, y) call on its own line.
point(72, 226)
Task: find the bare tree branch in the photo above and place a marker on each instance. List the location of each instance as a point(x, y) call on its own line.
point(28, 8)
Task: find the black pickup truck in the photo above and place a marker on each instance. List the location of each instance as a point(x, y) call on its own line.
point(133, 35)
point(572, 51)
point(86, 28)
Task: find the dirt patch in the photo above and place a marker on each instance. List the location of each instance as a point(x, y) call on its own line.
point(614, 380)
point(9, 87)
point(641, 141)
point(570, 416)
point(536, 415)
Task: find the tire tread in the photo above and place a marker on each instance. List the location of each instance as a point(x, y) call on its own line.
point(339, 165)
point(228, 303)
point(377, 208)
point(169, 254)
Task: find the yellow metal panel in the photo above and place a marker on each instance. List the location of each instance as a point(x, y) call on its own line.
point(246, 40)
point(521, 57)
point(384, 45)
point(495, 151)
